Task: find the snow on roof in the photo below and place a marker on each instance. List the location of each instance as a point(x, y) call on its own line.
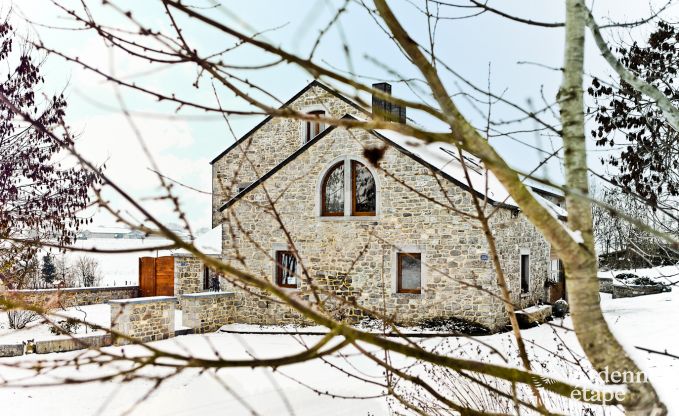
point(537, 185)
point(555, 210)
point(209, 242)
point(446, 158)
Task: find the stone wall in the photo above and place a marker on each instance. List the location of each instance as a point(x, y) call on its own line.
point(144, 319)
point(188, 274)
point(207, 312)
point(268, 146)
point(606, 284)
point(632, 291)
point(11, 350)
point(63, 344)
point(355, 256)
point(78, 296)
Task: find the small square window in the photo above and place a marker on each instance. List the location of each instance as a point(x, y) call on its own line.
point(409, 273)
point(286, 269)
point(525, 273)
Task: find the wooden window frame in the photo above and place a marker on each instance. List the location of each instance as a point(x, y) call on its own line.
point(279, 269)
point(526, 270)
point(399, 274)
point(353, 191)
point(324, 210)
point(309, 125)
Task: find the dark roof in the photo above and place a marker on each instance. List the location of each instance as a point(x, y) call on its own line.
point(287, 103)
point(310, 143)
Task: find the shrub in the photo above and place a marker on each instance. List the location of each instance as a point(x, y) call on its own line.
point(69, 326)
point(18, 319)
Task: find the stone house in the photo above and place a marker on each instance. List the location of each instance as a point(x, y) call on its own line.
point(388, 239)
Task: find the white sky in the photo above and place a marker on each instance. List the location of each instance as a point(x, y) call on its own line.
point(183, 146)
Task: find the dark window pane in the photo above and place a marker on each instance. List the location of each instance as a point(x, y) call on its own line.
point(286, 269)
point(313, 129)
point(525, 272)
point(333, 191)
point(410, 278)
point(364, 192)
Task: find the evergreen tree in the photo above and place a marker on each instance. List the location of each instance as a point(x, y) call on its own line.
point(49, 271)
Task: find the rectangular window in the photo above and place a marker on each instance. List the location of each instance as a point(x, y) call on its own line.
point(206, 278)
point(525, 275)
point(286, 269)
point(409, 273)
point(313, 128)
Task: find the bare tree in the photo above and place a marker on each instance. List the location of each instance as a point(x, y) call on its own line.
point(86, 271)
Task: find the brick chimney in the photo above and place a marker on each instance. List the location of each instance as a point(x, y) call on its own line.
point(386, 110)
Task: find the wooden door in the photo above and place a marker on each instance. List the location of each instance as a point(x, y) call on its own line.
point(156, 276)
point(147, 276)
point(165, 276)
point(558, 290)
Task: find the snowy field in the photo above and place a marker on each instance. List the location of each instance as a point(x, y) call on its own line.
point(97, 315)
point(639, 322)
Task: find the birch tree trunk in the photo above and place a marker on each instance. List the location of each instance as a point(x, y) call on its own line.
point(601, 347)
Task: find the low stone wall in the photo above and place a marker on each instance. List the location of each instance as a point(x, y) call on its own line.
point(208, 311)
point(632, 291)
point(144, 319)
point(534, 315)
point(11, 350)
point(606, 284)
point(77, 296)
point(71, 344)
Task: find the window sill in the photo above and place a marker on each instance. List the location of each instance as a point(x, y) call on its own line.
point(408, 295)
point(289, 289)
point(349, 218)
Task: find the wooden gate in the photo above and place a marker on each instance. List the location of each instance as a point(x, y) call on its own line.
point(156, 276)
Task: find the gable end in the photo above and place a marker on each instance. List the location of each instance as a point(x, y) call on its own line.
point(287, 103)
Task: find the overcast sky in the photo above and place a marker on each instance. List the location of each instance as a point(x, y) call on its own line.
point(182, 145)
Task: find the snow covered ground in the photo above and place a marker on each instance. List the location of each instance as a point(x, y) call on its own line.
point(639, 322)
point(38, 330)
point(98, 315)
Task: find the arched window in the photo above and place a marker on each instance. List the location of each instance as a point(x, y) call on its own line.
point(359, 185)
point(313, 128)
point(332, 191)
point(363, 192)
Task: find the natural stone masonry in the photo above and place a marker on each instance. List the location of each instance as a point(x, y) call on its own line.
point(633, 291)
point(534, 315)
point(606, 284)
point(235, 168)
point(11, 350)
point(207, 312)
point(188, 275)
point(457, 281)
point(354, 258)
point(78, 296)
point(71, 344)
point(144, 319)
